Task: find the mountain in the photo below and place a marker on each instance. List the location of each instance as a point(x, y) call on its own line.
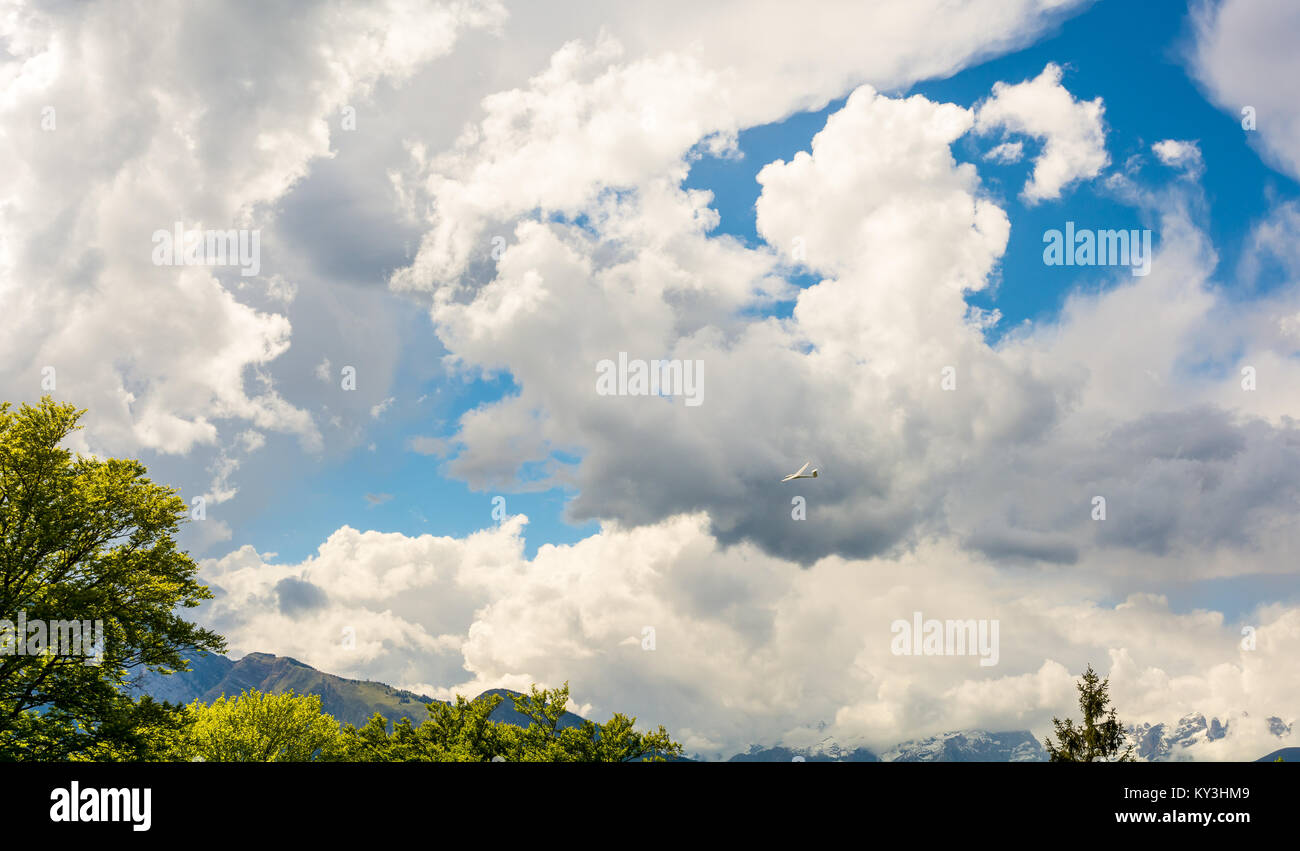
point(970, 746)
point(823, 752)
point(505, 713)
point(1286, 754)
point(959, 746)
point(1160, 742)
point(350, 701)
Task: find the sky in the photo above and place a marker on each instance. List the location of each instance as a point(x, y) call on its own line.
point(401, 461)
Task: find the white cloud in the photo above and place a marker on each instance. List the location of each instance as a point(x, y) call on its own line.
point(636, 102)
point(252, 440)
point(1243, 53)
point(900, 231)
point(281, 290)
point(198, 136)
point(199, 355)
point(1185, 156)
point(1007, 152)
point(1073, 132)
point(428, 445)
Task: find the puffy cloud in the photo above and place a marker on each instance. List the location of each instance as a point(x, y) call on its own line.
point(253, 140)
point(636, 103)
point(921, 426)
point(123, 120)
point(1072, 132)
point(1185, 156)
point(668, 289)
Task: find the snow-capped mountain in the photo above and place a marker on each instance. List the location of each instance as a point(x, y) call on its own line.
point(1162, 742)
point(970, 746)
point(827, 750)
point(957, 746)
point(1154, 743)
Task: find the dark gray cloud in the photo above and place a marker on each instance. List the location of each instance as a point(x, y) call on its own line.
point(299, 597)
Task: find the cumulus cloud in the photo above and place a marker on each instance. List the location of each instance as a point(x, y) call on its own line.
point(1009, 456)
point(1072, 132)
point(211, 142)
point(197, 350)
point(637, 105)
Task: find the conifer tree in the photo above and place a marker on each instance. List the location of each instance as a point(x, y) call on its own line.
point(1101, 737)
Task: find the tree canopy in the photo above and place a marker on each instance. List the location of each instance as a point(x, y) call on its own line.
point(85, 541)
point(462, 731)
point(256, 727)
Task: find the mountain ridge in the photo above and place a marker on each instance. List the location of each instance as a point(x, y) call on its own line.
point(348, 700)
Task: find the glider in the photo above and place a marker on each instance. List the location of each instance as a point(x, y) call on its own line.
point(801, 474)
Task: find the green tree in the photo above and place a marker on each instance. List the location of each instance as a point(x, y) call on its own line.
point(130, 731)
point(257, 727)
point(616, 740)
point(1101, 736)
point(371, 743)
point(453, 732)
point(87, 539)
point(462, 731)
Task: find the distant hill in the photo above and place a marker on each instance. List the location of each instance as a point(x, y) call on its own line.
point(350, 701)
point(1287, 754)
point(505, 713)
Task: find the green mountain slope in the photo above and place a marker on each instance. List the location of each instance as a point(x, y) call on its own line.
point(350, 701)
